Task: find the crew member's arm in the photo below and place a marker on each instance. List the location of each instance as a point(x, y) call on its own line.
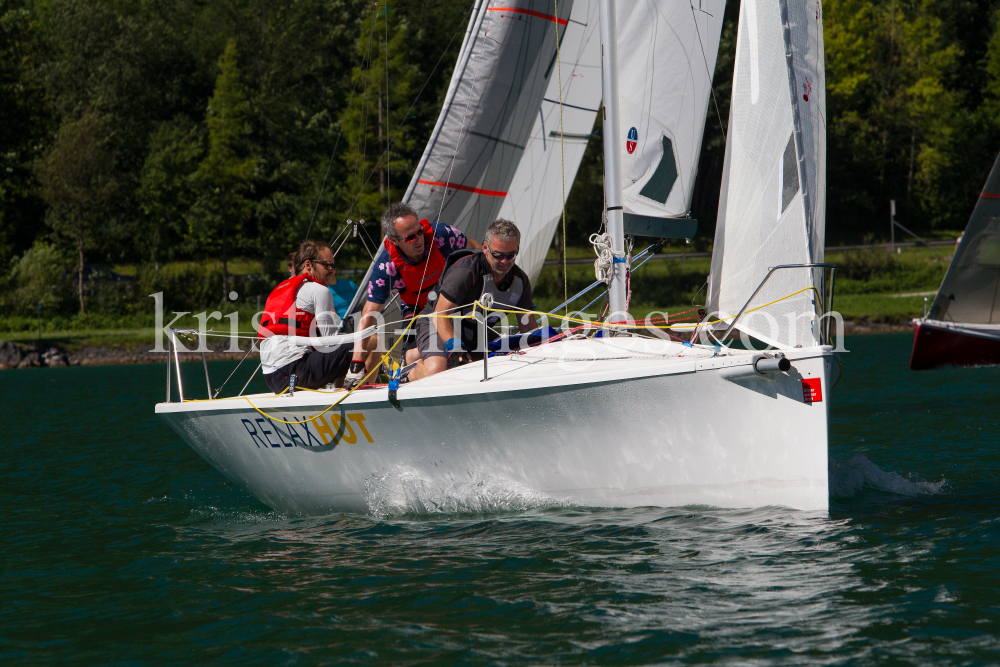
point(363, 346)
point(526, 323)
point(445, 325)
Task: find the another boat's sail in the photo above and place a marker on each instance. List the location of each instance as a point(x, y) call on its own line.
point(773, 199)
point(970, 292)
point(491, 119)
point(666, 57)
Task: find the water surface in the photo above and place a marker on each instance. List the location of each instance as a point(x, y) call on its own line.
point(121, 546)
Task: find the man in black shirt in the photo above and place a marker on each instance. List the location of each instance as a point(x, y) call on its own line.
point(468, 276)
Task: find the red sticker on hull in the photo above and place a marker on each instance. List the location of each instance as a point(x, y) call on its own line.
point(812, 390)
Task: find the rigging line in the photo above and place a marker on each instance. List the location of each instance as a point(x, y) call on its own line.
point(562, 157)
point(219, 390)
point(388, 162)
point(362, 150)
point(333, 156)
point(711, 79)
point(415, 100)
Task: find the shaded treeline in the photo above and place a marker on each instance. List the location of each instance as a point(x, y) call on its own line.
point(151, 132)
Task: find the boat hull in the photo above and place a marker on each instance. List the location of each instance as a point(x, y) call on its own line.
point(707, 432)
point(950, 345)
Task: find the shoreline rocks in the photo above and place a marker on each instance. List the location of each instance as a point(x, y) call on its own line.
point(37, 355)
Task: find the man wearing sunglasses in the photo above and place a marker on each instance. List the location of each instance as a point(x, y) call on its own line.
point(302, 306)
point(467, 277)
point(410, 262)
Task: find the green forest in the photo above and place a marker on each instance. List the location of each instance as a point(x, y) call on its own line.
point(187, 146)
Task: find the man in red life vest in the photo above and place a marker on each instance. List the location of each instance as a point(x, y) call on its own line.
point(411, 260)
point(302, 306)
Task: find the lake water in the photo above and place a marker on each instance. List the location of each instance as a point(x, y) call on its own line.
point(121, 546)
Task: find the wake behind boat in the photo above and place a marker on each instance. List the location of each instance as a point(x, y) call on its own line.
point(610, 414)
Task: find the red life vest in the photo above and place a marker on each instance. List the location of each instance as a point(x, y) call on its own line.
point(419, 278)
point(280, 308)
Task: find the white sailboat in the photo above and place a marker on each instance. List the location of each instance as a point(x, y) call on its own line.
point(621, 420)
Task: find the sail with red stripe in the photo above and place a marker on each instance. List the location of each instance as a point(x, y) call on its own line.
point(497, 138)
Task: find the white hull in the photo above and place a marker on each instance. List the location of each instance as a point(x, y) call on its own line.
point(648, 423)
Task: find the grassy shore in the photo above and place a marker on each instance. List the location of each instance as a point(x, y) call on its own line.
point(872, 287)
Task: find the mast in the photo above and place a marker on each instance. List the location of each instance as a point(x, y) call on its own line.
point(612, 159)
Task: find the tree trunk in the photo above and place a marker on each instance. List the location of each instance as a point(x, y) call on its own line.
point(79, 247)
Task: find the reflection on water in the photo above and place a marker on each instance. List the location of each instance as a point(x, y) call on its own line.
point(121, 545)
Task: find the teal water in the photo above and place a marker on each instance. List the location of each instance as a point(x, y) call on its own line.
point(121, 546)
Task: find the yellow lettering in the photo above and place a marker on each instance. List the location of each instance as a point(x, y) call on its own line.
point(324, 430)
point(349, 436)
point(359, 419)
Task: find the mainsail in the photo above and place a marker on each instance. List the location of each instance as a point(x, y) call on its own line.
point(666, 53)
point(773, 199)
point(491, 140)
point(970, 292)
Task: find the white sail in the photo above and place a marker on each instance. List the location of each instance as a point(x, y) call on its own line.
point(970, 292)
point(551, 158)
point(773, 198)
point(666, 58)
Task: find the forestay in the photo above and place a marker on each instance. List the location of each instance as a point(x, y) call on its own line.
point(773, 198)
point(970, 292)
point(666, 57)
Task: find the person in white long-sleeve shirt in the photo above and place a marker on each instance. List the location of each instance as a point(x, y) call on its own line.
point(302, 306)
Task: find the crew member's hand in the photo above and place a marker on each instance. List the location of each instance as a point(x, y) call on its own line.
point(355, 374)
point(456, 355)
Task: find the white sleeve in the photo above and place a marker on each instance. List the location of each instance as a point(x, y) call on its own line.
point(316, 299)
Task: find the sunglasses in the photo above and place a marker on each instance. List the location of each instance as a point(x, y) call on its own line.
point(329, 266)
point(409, 238)
point(504, 255)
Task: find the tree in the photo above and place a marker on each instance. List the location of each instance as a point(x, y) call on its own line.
point(385, 85)
point(226, 172)
point(166, 189)
point(78, 185)
point(23, 131)
point(991, 90)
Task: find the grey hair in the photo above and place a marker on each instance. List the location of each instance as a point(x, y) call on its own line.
point(502, 230)
point(393, 213)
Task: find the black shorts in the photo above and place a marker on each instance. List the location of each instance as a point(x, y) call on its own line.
point(430, 344)
point(313, 369)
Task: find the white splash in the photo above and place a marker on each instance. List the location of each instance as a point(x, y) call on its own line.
point(403, 491)
point(857, 473)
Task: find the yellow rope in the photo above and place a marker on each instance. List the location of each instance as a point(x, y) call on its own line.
point(476, 305)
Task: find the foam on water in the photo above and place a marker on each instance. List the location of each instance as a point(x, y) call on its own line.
point(847, 479)
point(403, 491)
